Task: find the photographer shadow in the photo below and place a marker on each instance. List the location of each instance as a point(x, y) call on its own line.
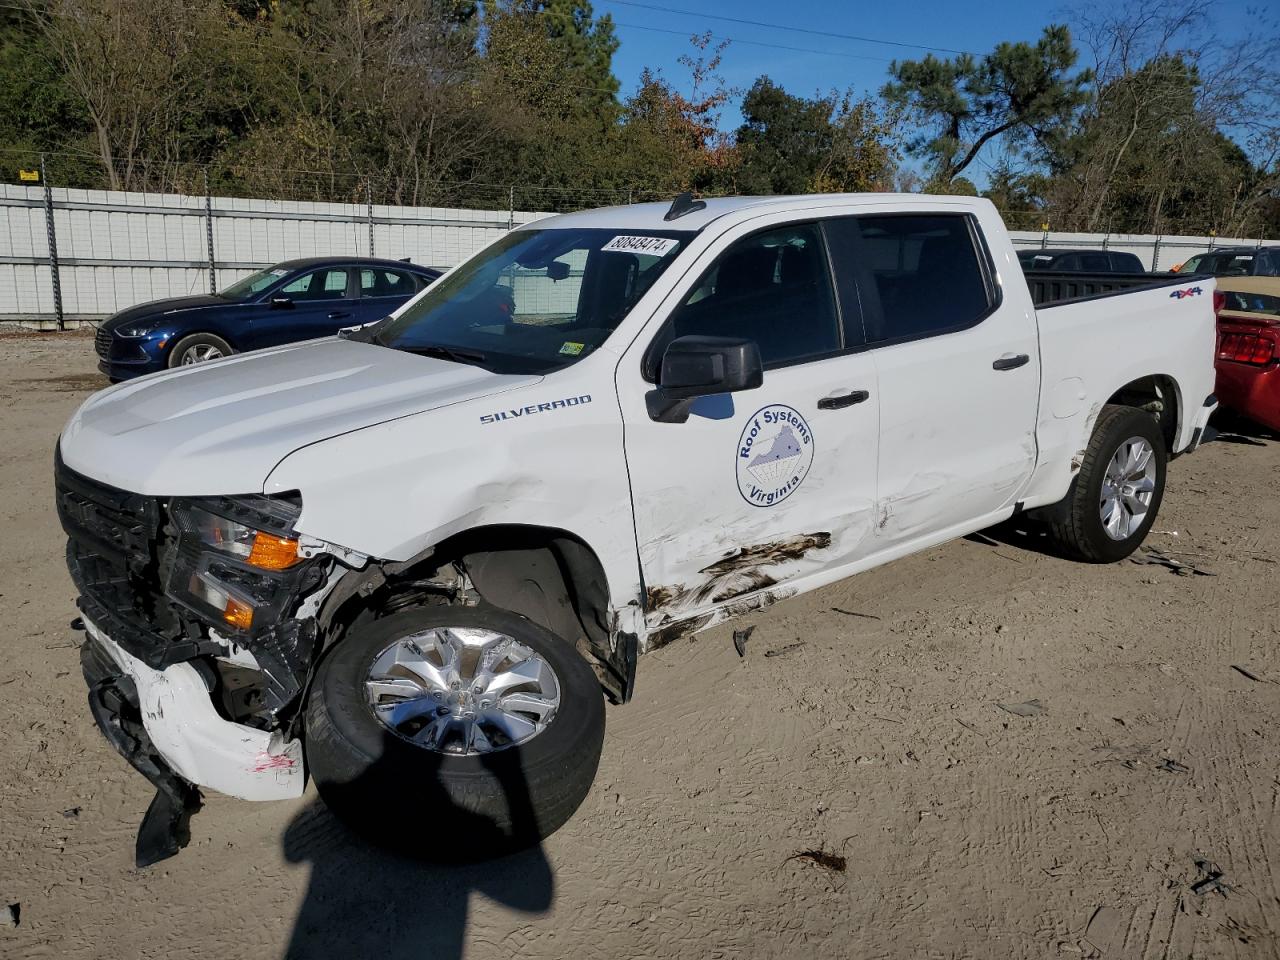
point(389, 885)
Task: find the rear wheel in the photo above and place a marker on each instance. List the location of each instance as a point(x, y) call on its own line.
point(1117, 493)
point(454, 732)
point(198, 348)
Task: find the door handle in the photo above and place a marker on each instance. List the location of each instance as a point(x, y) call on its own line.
point(339, 314)
point(1010, 363)
point(844, 400)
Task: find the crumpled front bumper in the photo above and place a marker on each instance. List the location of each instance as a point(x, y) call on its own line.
point(165, 724)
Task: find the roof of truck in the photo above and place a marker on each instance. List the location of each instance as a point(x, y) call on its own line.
point(649, 216)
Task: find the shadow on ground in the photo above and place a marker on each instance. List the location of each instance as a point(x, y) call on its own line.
point(383, 892)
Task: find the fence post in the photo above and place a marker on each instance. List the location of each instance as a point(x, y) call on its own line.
point(368, 197)
point(1155, 254)
point(53, 245)
point(1044, 235)
point(511, 207)
point(208, 232)
point(1213, 238)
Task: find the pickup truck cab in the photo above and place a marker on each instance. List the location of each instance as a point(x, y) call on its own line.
point(406, 561)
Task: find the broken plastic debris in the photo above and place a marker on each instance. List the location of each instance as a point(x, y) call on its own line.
point(1031, 708)
point(740, 638)
point(10, 914)
point(1251, 674)
point(854, 613)
point(1210, 879)
point(1169, 765)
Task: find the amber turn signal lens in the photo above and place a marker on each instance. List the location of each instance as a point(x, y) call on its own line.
point(273, 553)
point(239, 615)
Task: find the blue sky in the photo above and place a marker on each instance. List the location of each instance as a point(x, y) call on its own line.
point(975, 27)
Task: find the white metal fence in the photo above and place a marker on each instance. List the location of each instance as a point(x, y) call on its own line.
point(71, 255)
point(110, 250)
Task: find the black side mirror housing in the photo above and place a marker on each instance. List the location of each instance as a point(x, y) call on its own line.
point(557, 270)
point(278, 303)
point(695, 367)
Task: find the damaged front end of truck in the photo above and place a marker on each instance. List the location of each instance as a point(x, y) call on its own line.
point(201, 632)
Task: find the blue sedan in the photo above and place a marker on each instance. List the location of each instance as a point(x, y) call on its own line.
point(292, 301)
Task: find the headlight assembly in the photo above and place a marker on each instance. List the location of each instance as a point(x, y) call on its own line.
point(236, 560)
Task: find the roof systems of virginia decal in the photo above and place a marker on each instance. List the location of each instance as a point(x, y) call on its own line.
point(775, 452)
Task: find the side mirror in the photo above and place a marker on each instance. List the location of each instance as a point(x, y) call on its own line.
point(557, 270)
point(695, 367)
point(278, 303)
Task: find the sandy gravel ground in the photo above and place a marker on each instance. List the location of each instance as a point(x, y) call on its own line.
point(946, 826)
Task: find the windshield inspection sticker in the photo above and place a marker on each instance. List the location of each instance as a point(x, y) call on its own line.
point(571, 349)
point(775, 452)
point(654, 246)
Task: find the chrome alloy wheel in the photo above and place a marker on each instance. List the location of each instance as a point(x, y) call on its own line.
point(462, 691)
point(1127, 488)
point(199, 353)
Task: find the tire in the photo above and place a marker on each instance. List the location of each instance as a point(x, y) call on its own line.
point(412, 799)
point(1080, 531)
point(195, 343)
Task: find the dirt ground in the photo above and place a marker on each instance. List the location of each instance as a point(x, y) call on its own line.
point(850, 788)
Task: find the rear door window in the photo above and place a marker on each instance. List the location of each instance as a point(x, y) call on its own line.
point(1094, 263)
point(1126, 263)
point(381, 282)
point(919, 274)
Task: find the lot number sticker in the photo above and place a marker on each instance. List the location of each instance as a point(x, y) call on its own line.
point(653, 246)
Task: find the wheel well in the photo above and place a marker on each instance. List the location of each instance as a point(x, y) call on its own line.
point(1158, 395)
point(548, 575)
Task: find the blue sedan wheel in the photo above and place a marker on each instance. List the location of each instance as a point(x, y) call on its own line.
point(198, 348)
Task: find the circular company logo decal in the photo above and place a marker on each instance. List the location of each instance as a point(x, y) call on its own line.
point(775, 452)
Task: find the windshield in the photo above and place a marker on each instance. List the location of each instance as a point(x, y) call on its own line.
point(536, 300)
point(245, 288)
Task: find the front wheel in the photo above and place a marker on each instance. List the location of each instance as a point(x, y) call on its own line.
point(454, 732)
point(1117, 493)
point(198, 348)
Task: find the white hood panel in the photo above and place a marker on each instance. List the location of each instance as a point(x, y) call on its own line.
point(220, 428)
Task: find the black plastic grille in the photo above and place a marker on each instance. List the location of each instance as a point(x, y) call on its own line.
point(114, 540)
point(102, 343)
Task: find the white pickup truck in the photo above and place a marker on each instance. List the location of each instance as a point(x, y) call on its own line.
point(407, 561)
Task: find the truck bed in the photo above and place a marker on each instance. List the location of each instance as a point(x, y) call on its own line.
point(1051, 288)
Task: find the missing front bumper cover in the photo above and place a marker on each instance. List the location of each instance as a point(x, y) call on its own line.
point(113, 700)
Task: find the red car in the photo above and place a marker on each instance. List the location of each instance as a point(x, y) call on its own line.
point(1248, 359)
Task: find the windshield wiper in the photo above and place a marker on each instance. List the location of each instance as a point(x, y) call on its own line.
point(440, 351)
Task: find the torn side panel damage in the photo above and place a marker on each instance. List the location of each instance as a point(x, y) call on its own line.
point(750, 576)
point(736, 574)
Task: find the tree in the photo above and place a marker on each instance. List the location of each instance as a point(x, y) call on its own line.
point(790, 144)
point(670, 142)
point(1150, 153)
point(1024, 93)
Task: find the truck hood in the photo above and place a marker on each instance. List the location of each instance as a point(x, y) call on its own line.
point(220, 428)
